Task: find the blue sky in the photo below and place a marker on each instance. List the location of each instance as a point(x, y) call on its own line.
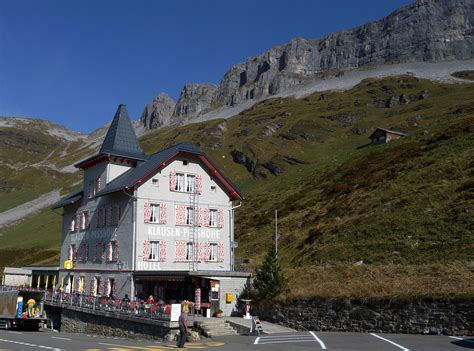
point(72, 62)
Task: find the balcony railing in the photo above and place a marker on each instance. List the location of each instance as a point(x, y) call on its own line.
point(100, 304)
point(105, 304)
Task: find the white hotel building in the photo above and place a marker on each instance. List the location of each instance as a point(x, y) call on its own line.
point(158, 225)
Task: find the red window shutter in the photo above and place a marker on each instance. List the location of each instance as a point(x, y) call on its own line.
point(146, 212)
point(92, 286)
point(200, 252)
point(207, 217)
point(116, 252)
point(146, 250)
point(207, 251)
point(180, 215)
point(76, 284)
point(200, 217)
point(102, 286)
point(103, 252)
point(172, 177)
point(163, 213)
point(109, 215)
point(180, 251)
point(220, 252)
point(162, 244)
point(199, 184)
point(74, 253)
point(220, 218)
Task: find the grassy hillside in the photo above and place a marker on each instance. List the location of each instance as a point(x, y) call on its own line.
point(355, 220)
point(31, 160)
point(391, 220)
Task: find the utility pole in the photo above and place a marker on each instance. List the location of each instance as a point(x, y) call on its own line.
point(276, 232)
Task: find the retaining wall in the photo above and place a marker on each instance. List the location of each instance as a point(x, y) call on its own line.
point(76, 321)
point(423, 316)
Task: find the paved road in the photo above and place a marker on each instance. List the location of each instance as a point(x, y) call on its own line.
point(47, 340)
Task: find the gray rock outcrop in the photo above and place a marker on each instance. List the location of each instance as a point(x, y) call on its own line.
point(426, 31)
point(158, 112)
point(194, 100)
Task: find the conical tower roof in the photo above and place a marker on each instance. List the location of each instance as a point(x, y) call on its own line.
point(121, 138)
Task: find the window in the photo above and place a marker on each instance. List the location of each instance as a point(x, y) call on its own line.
point(84, 220)
point(110, 251)
point(113, 215)
point(190, 215)
point(185, 162)
point(101, 217)
point(154, 251)
point(179, 182)
point(185, 182)
point(190, 183)
point(82, 284)
point(189, 251)
point(119, 213)
point(70, 254)
point(212, 218)
point(98, 252)
point(154, 181)
point(72, 227)
point(213, 188)
point(91, 189)
point(73, 252)
point(154, 213)
point(213, 252)
point(111, 287)
point(97, 286)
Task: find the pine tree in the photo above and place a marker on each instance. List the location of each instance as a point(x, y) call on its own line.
point(270, 281)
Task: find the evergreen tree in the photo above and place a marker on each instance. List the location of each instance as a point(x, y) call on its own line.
point(270, 281)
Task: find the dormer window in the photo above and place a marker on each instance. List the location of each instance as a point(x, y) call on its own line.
point(185, 182)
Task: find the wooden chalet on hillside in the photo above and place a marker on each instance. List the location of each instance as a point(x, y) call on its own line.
point(383, 136)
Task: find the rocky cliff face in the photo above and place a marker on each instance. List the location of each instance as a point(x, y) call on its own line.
point(158, 112)
point(194, 100)
point(426, 31)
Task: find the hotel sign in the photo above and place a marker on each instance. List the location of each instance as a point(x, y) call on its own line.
point(184, 232)
point(101, 234)
point(147, 266)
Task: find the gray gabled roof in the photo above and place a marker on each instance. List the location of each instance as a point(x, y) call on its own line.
point(121, 138)
point(68, 200)
point(134, 176)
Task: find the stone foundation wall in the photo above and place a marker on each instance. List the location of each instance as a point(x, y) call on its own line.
point(73, 321)
point(453, 317)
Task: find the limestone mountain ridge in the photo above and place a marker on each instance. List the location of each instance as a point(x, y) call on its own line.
point(425, 31)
